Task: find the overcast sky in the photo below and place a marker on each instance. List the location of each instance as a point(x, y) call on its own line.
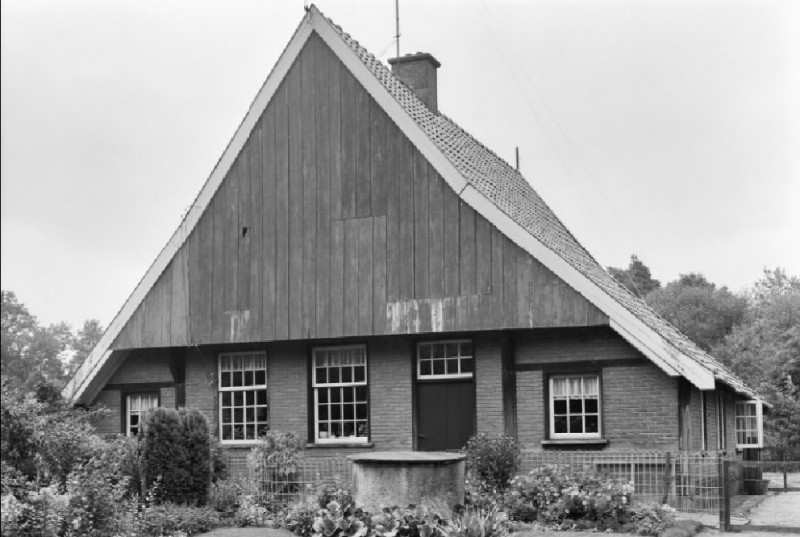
point(666, 129)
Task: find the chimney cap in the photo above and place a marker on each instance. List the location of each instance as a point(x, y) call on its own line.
point(416, 57)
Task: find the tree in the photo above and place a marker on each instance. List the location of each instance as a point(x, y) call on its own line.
point(83, 343)
point(31, 354)
point(636, 278)
point(696, 307)
point(764, 350)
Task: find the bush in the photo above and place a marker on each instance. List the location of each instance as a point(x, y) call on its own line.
point(493, 460)
point(170, 519)
point(476, 522)
point(175, 445)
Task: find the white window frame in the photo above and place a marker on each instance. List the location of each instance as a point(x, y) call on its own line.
point(315, 387)
point(571, 436)
point(759, 415)
point(722, 426)
point(445, 376)
point(140, 412)
point(229, 389)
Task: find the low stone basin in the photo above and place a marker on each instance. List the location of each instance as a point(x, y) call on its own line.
point(401, 478)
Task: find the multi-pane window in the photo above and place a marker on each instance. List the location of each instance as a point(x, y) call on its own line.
point(749, 430)
point(137, 405)
point(242, 396)
point(340, 394)
point(445, 359)
point(575, 406)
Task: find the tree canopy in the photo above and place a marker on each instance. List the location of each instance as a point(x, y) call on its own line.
point(33, 355)
point(636, 278)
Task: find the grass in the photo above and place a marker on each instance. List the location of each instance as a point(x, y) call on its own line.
point(246, 532)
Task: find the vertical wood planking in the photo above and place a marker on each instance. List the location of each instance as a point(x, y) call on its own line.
point(336, 137)
point(351, 237)
point(244, 234)
point(231, 248)
point(523, 289)
point(365, 283)
point(309, 263)
point(323, 126)
point(467, 244)
point(392, 214)
point(295, 83)
point(166, 305)
point(378, 163)
point(483, 255)
point(509, 282)
point(435, 234)
point(282, 212)
point(452, 285)
point(204, 256)
point(405, 203)
point(379, 275)
point(421, 287)
point(337, 277)
point(362, 171)
point(268, 223)
point(217, 317)
point(258, 212)
point(497, 277)
point(348, 145)
point(179, 302)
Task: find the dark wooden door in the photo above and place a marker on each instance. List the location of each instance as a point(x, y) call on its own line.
point(445, 414)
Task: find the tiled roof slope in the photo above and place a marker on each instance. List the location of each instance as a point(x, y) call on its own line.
point(511, 193)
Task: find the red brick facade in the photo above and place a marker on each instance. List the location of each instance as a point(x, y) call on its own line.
point(639, 403)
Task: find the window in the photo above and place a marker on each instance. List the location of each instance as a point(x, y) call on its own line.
point(749, 428)
point(242, 396)
point(722, 430)
point(339, 381)
point(445, 359)
point(575, 406)
point(137, 405)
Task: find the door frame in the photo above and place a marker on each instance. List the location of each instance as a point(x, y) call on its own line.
point(413, 348)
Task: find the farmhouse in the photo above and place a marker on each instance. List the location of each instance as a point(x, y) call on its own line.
point(361, 270)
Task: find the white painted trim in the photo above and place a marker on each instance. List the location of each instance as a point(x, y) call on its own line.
point(553, 435)
point(759, 423)
point(74, 391)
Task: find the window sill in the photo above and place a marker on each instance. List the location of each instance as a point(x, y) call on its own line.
point(343, 445)
point(575, 442)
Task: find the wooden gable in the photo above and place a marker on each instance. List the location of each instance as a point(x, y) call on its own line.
point(330, 223)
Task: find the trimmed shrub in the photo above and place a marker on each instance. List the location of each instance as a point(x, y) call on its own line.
point(198, 448)
point(175, 446)
point(493, 460)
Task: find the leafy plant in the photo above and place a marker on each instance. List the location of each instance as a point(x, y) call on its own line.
point(493, 459)
point(477, 522)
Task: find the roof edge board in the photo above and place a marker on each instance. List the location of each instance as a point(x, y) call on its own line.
point(669, 359)
point(99, 355)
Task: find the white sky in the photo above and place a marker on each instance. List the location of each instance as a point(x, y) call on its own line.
point(666, 129)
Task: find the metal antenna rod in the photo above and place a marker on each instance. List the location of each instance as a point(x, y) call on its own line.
point(397, 25)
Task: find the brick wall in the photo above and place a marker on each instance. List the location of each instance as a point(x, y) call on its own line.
point(489, 383)
point(639, 402)
point(109, 423)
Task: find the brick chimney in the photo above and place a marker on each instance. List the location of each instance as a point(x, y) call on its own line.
point(418, 72)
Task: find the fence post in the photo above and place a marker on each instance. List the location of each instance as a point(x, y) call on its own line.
point(724, 497)
point(667, 475)
point(785, 481)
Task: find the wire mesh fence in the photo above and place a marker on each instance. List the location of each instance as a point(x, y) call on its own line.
point(688, 481)
point(274, 484)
